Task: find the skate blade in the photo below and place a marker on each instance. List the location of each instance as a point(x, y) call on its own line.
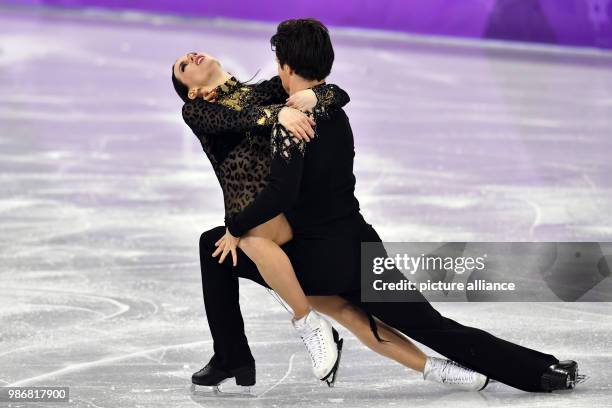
point(330, 379)
point(579, 379)
point(222, 391)
point(485, 385)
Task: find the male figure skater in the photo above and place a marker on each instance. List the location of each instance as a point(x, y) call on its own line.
point(313, 185)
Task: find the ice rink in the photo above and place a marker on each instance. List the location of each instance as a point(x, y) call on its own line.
point(104, 193)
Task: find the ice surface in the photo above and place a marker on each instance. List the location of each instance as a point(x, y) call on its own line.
point(104, 192)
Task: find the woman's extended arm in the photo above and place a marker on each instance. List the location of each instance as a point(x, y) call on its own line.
point(329, 97)
point(211, 118)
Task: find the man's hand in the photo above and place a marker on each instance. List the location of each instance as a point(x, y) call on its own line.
point(296, 122)
point(304, 100)
point(225, 245)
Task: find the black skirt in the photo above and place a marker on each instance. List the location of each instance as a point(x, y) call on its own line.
point(326, 259)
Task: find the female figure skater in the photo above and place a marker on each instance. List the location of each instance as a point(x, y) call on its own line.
point(234, 133)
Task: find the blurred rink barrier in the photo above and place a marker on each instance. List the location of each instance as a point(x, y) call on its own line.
point(582, 23)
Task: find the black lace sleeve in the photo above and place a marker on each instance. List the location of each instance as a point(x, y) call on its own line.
point(282, 189)
point(210, 118)
point(330, 97)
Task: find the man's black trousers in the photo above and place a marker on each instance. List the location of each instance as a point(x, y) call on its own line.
point(501, 360)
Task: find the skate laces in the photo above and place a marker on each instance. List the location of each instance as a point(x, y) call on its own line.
point(453, 373)
point(313, 340)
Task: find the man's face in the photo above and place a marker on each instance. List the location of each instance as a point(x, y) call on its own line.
point(195, 69)
point(284, 73)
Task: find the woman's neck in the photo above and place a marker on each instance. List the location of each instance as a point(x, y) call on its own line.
point(220, 78)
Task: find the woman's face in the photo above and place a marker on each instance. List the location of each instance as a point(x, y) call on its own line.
point(196, 69)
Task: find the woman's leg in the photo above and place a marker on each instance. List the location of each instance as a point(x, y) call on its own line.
point(394, 345)
point(262, 246)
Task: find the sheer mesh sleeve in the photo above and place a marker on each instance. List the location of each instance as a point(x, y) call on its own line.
point(210, 118)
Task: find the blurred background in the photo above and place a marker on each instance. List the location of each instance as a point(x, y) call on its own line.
point(572, 22)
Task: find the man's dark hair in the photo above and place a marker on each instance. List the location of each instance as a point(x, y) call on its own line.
point(305, 46)
point(180, 88)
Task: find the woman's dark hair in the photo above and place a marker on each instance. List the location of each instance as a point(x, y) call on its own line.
point(305, 46)
point(180, 88)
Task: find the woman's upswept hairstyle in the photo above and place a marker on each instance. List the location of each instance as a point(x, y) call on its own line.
point(305, 46)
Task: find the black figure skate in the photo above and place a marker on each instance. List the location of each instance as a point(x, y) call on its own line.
point(562, 376)
point(211, 376)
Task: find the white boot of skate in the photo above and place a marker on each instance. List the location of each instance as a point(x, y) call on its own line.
point(322, 343)
point(449, 373)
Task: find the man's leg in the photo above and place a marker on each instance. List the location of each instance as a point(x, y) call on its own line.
point(501, 360)
point(221, 290)
point(498, 359)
